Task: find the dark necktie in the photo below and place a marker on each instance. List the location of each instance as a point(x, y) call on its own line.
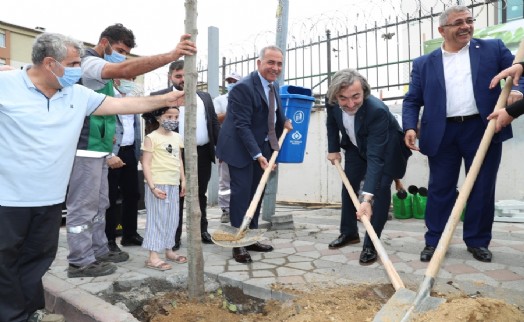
point(271, 134)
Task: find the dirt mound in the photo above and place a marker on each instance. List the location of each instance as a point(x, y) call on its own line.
point(341, 304)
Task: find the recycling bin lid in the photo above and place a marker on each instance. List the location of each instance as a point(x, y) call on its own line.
point(296, 92)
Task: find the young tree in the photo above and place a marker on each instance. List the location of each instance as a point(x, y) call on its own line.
point(196, 261)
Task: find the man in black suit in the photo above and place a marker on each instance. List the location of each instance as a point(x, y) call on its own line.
point(207, 129)
point(247, 138)
point(372, 140)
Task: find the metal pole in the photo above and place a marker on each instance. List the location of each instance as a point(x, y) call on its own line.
point(328, 55)
point(213, 90)
point(270, 196)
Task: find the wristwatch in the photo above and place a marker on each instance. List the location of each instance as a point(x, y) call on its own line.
point(363, 198)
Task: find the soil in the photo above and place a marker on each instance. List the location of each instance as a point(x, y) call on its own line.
point(346, 303)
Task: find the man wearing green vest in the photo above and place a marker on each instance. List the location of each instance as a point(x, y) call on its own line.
point(87, 198)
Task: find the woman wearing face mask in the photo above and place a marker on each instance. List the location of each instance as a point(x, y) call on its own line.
point(165, 183)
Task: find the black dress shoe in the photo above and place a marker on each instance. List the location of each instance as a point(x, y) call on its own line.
point(241, 255)
point(113, 247)
point(482, 254)
point(427, 253)
point(177, 245)
point(368, 256)
point(135, 240)
point(344, 240)
point(206, 238)
point(258, 247)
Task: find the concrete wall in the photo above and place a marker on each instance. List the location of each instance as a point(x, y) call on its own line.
point(317, 181)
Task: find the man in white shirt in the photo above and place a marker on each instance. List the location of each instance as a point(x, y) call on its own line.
point(36, 164)
point(224, 190)
point(452, 83)
point(123, 181)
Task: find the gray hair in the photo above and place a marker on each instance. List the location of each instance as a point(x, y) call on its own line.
point(342, 80)
point(54, 45)
point(265, 49)
point(445, 15)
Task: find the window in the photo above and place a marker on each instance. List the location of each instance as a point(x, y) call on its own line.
point(2, 40)
point(510, 10)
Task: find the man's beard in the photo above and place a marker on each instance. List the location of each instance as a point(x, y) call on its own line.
point(178, 87)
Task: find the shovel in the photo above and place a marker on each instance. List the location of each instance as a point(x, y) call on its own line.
point(390, 269)
point(228, 236)
point(404, 303)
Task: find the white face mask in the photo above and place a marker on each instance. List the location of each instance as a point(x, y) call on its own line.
point(126, 86)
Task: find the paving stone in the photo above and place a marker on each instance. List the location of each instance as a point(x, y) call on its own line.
point(275, 261)
point(281, 218)
point(286, 271)
point(504, 275)
point(478, 279)
point(305, 266)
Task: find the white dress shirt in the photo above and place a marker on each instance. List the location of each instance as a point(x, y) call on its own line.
point(202, 135)
point(460, 99)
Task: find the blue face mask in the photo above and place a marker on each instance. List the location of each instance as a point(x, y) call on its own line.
point(230, 86)
point(115, 57)
point(71, 75)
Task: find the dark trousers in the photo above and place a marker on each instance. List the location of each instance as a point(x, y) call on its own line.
point(243, 185)
point(28, 245)
point(204, 175)
point(125, 180)
point(355, 168)
point(460, 143)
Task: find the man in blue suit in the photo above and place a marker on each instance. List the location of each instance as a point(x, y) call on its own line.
point(372, 139)
point(452, 83)
point(244, 142)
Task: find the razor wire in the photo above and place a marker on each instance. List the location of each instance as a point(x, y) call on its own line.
point(358, 14)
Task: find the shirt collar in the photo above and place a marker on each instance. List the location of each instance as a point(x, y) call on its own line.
point(264, 81)
point(26, 78)
point(447, 53)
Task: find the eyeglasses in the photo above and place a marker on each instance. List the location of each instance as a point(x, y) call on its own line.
point(459, 23)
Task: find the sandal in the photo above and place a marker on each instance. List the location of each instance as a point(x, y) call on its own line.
point(159, 266)
point(179, 259)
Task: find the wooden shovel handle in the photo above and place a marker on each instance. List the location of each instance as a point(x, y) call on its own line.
point(390, 269)
point(469, 181)
point(262, 184)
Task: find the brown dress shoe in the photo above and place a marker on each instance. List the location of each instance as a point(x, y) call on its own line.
point(241, 255)
point(258, 247)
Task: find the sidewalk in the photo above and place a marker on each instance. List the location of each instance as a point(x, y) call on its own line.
point(301, 258)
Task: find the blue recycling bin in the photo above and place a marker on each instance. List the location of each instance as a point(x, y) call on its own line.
point(297, 103)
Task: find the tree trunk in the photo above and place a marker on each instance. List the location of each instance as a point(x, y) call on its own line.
point(196, 261)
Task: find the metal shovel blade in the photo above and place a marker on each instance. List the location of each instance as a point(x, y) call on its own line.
point(404, 303)
point(250, 237)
